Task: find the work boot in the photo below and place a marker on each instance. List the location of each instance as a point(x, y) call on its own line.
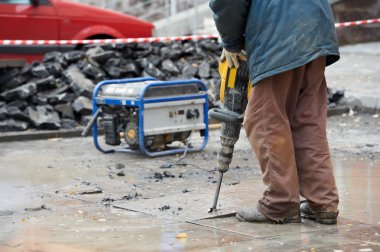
point(328, 218)
point(252, 214)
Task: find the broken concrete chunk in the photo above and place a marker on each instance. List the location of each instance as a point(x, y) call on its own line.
point(38, 100)
point(51, 56)
point(54, 69)
point(153, 71)
point(78, 82)
point(21, 92)
point(16, 113)
point(3, 113)
point(16, 82)
point(65, 110)
point(68, 123)
point(130, 68)
point(7, 76)
point(12, 125)
point(155, 60)
point(189, 70)
point(91, 71)
point(46, 84)
point(115, 72)
point(102, 56)
point(74, 56)
point(94, 51)
point(44, 117)
point(188, 48)
point(82, 105)
point(61, 98)
point(204, 70)
point(169, 67)
point(40, 71)
point(210, 45)
point(173, 54)
point(142, 62)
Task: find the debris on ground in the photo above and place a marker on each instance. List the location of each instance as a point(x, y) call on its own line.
point(94, 191)
point(34, 209)
point(166, 207)
point(132, 196)
point(167, 166)
point(168, 174)
point(119, 166)
point(120, 174)
point(158, 175)
point(107, 201)
point(181, 236)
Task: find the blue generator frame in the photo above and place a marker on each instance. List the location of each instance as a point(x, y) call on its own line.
point(139, 103)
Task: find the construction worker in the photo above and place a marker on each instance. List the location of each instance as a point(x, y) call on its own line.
point(288, 44)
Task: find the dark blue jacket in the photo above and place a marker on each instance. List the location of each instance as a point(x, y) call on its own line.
point(278, 35)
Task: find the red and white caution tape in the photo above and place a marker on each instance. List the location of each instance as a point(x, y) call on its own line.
point(106, 41)
point(357, 23)
point(149, 40)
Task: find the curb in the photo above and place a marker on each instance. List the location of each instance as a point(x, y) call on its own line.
point(363, 102)
point(39, 135)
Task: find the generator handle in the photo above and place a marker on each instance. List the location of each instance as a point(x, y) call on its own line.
point(173, 83)
point(110, 82)
point(226, 116)
point(90, 124)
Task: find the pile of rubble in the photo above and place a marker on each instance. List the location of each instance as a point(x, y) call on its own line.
point(56, 93)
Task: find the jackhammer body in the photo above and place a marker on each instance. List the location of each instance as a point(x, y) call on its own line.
point(234, 93)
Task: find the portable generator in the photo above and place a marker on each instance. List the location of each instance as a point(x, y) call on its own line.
point(147, 115)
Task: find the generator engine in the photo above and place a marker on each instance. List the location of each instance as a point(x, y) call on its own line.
point(148, 115)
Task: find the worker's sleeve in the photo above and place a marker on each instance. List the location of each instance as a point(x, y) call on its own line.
point(230, 18)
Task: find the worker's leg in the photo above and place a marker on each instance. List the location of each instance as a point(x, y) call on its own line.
point(271, 103)
point(315, 173)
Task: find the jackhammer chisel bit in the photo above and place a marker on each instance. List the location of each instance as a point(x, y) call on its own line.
point(213, 208)
point(234, 91)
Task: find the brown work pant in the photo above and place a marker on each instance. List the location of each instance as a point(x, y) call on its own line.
point(285, 122)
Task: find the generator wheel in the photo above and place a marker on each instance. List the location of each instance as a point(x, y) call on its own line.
point(132, 135)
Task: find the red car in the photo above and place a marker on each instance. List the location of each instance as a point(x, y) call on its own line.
point(61, 20)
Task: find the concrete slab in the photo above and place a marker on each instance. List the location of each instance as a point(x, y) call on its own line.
point(56, 173)
point(195, 205)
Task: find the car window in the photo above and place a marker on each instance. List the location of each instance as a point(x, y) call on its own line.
point(14, 1)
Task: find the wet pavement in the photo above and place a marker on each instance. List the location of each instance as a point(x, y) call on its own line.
point(63, 195)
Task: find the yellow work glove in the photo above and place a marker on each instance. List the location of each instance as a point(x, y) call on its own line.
point(233, 58)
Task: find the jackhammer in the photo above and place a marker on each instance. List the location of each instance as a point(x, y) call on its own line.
point(234, 93)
